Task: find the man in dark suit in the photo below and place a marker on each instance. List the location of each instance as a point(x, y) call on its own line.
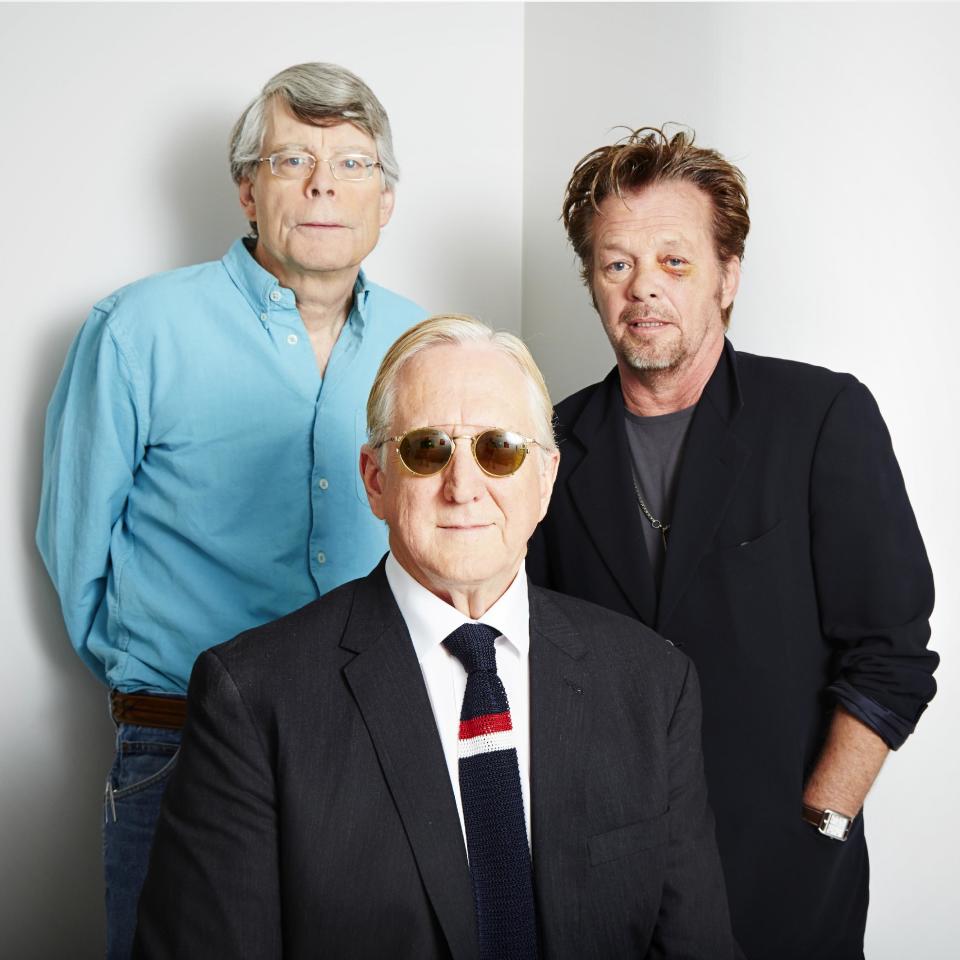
point(752, 511)
point(381, 774)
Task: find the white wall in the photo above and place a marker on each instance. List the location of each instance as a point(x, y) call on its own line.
point(844, 119)
point(137, 101)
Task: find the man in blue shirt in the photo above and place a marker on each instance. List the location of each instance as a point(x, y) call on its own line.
point(200, 461)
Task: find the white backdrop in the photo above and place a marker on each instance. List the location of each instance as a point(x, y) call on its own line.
point(844, 119)
point(841, 116)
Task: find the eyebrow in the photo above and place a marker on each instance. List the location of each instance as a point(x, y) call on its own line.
point(302, 147)
point(617, 245)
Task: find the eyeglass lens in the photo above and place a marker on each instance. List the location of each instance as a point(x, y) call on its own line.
point(298, 166)
point(497, 452)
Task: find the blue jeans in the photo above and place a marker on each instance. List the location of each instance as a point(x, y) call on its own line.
point(131, 805)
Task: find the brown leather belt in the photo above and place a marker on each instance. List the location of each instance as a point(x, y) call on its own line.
point(149, 709)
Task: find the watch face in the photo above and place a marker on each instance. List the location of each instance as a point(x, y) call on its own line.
point(835, 825)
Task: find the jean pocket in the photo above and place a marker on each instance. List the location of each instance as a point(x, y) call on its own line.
point(139, 764)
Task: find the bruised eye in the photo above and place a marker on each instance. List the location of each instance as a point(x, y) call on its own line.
point(675, 262)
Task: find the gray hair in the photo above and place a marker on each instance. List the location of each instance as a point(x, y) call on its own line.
point(452, 329)
point(317, 93)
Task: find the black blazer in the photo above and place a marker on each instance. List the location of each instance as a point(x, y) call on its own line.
point(311, 813)
point(794, 564)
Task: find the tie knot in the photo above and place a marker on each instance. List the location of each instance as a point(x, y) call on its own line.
point(472, 645)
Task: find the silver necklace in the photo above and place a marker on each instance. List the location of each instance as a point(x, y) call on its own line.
point(664, 528)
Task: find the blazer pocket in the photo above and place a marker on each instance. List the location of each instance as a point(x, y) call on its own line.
point(623, 841)
point(751, 544)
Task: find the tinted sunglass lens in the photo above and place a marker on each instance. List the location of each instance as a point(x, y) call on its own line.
point(425, 451)
point(500, 452)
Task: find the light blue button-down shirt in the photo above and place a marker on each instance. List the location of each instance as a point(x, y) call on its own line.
point(199, 476)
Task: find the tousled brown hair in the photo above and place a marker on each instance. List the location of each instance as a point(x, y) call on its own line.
point(646, 157)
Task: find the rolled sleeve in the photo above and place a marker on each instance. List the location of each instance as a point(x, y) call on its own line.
point(874, 584)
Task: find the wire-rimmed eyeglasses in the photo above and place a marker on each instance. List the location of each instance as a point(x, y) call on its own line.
point(427, 450)
point(299, 165)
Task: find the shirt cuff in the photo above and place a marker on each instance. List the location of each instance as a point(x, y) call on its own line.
point(889, 726)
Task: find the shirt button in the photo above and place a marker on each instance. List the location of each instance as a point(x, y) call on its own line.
point(275, 296)
point(263, 318)
point(292, 339)
point(322, 483)
point(321, 557)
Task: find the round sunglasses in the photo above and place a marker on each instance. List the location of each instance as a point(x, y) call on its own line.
point(427, 450)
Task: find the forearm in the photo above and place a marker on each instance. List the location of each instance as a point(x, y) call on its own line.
point(849, 763)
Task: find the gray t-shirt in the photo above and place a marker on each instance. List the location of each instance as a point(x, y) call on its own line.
point(656, 447)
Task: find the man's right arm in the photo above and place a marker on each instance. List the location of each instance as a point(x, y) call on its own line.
point(93, 444)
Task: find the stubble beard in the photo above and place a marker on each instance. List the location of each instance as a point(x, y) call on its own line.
point(652, 359)
point(647, 357)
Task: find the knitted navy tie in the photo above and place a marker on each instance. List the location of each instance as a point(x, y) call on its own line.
point(493, 804)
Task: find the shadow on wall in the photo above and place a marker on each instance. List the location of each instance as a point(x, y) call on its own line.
point(204, 206)
point(54, 815)
point(55, 908)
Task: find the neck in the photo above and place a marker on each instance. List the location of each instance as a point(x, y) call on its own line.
point(324, 298)
point(474, 603)
point(652, 393)
point(472, 600)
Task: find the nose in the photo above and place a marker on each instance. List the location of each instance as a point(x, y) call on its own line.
point(644, 282)
point(463, 480)
point(321, 180)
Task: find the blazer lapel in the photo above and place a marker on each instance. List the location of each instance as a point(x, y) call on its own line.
point(386, 682)
point(712, 462)
point(601, 489)
point(558, 745)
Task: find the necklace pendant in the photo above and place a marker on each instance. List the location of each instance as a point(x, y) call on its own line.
point(663, 534)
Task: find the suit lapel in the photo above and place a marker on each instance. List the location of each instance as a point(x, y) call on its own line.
point(558, 745)
point(387, 683)
point(602, 492)
point(713, 459)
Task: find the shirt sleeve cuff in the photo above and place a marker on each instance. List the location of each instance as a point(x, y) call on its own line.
point(889, 726)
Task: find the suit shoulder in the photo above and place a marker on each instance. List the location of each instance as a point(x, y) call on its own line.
point(307, 632)
point(616, 638)
point(774, 375)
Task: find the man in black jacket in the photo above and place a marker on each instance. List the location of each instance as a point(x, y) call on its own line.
point(752, 511)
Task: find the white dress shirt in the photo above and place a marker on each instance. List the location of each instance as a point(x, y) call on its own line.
point(430, 621)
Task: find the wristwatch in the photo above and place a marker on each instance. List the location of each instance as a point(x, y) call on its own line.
point(831, 824)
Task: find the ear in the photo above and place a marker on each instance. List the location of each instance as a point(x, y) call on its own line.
point(549, 462)
point(731, 281)
point(386, 206)
point(373, 479)
point(247, 201)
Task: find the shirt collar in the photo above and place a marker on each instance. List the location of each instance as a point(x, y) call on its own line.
point(261, 289)
point(431, 620)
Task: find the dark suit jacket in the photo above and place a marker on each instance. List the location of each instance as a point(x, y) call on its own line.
point(311, 813)
point(794, 565)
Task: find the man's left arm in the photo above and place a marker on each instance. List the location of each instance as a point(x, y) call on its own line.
point(875, 596)
point(694, 918)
